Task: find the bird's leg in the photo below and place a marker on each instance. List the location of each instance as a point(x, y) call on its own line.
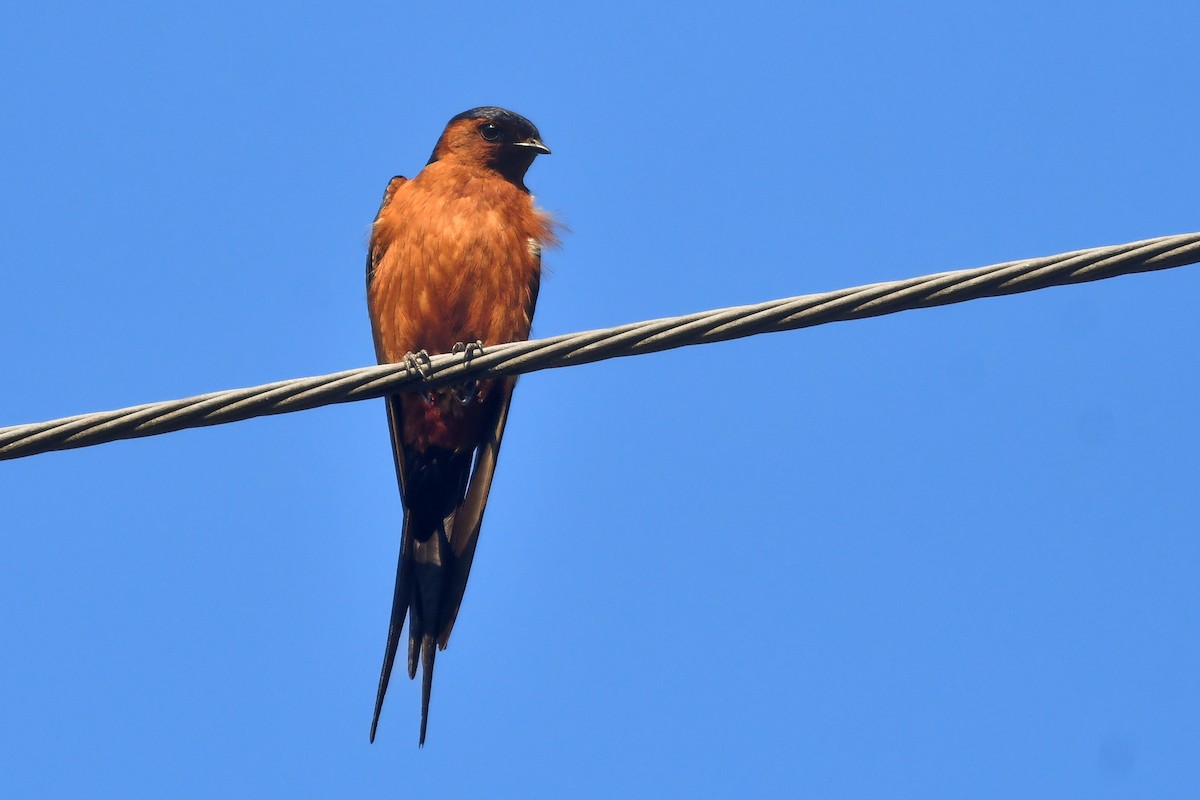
point(419, 363)
point(469, 390)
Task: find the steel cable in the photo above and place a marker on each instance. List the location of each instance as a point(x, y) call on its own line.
point(637, 338)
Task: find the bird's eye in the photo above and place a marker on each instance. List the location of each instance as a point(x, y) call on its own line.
point(489, 131)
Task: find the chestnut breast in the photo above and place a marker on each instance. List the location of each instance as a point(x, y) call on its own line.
point(458, 262)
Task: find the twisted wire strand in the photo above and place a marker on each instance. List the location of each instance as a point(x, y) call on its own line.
point(858, 302)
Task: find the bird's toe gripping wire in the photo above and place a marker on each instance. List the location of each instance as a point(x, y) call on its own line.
point(468, 349)
point(468, 391)
point(420, 363)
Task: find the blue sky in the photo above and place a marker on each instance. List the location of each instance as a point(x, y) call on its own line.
point(944, 553)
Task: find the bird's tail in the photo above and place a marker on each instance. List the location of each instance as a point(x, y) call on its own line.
point(433, 562)
point(445, 493)
point(428, 654)
point(436, 482)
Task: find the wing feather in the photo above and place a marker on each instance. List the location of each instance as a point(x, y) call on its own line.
point(403, 589)
point(464, 533)
point(374, 250)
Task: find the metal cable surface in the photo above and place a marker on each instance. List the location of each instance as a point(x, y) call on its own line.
point(857, 302)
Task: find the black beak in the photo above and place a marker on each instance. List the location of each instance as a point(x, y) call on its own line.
point(535, 143)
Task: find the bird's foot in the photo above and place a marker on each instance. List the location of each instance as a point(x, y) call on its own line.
point(419, 363)
point(469, 349)
point(468, 392)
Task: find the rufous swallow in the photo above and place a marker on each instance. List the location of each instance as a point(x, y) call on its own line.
point(454, 264)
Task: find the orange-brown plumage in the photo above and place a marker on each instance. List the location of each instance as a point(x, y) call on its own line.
point(454, 259)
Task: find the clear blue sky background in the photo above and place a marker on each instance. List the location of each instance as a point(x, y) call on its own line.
point(946, 553)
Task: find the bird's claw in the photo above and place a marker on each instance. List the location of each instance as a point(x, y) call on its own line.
point(468, 349)
point(419, 363)
point(468, 391)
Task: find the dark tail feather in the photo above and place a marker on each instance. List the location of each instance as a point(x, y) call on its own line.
point(400, 599)
point(430, 560)
point(428, 654)
point(434, 484)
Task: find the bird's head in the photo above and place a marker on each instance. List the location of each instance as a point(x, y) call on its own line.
point(492, 138)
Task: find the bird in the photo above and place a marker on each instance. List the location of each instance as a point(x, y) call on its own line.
point(453, 265)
